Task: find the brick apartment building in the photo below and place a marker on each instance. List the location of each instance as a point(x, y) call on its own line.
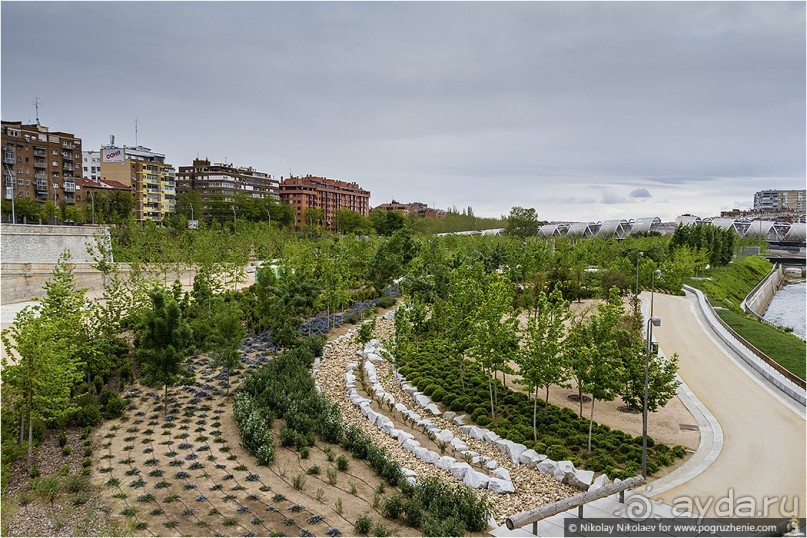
point(152, 180)
point(418, 209)
point(226, 180)
point(329, 195)
point(39, 163)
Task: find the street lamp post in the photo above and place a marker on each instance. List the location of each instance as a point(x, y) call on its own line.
point(653, 321)
point(656, 273)
point(639, 257)
point(234, 223)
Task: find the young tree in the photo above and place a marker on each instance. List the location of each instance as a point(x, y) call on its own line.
point(522, 222)
point(494, 339)
point(228, 332)
point(662, 380)
point(47, 344)
point(163, 343)
point(541, 360)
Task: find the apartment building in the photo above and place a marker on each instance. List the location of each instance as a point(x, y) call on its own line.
point(329, 195)
point(152, 180)
point(418, 209)
point(39, 163)
point(780, 200)
point(226, 179)
point(91, 165)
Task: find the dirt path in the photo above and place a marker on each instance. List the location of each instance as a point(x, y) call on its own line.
point(763, 455)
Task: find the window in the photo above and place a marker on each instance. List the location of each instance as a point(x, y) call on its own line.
point(27, 181)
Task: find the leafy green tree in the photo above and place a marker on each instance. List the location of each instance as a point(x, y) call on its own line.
point(522, 222)
point(228, 333)
point(385, 222)
point(49, 210)
point(163, 344)
point(494, 340)
point(313, 217)
point(350, 222)
point(541, 360)
point(662, 380)
point(45, 345)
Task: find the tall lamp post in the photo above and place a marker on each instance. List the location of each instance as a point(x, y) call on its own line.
point(656, 273)
point(639, 257)
point(652, 322)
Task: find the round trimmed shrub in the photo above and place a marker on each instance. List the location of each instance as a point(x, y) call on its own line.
point(438, 395)
point(556, 452)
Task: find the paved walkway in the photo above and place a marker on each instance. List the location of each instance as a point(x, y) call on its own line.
point(763, 454)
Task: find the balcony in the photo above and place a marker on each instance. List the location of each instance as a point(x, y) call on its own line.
point(8, 158)
point(40, 153)
point(69, 186)
point(40, 175)
point(67, 145)
point(41, 185)
point(9, 179)
point(39, 163)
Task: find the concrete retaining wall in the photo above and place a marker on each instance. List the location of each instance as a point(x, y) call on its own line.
point(24, 281)
point(733, 341)
point(758, 301)
point(28, 243)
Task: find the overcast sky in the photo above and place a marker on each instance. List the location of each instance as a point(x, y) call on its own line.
point(585, 111)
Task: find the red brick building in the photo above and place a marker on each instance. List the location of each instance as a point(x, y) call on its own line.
point(39, 163)
point(417, 209)
point(302, 193)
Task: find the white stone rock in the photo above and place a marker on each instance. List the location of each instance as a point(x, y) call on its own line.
point(527, 457)
point(475, 479)
point(411, 480)
point(599, 482)
point(434, 410)
point(444, 436)
point(465, 430)
point(459, 469)
point(350, 378)
point(364, 407)
point(502, 473)
point(446, 462)
point(497, 485)
point(476, 433)
point(547, 466)
point(502, 444)
point(352, 366)
point(458, 444)
point(514, 451)
point(410, 445)
point(561, 468)
point(372, 415)
point(580, 479)
point(430, 457)
point(372, 345)
point(403, 436)
point(448, 415)
point(421, 399)
point(375, 358)
point(408, 472)
point(489, 437)
point(389, 399)
point(491, 464)
point(409, 389)
point(401, 408)
point(460, 420)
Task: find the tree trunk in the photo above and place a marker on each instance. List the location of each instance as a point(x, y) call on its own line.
point(580, 397)
point(591, 423)
point(492, 409)
point(30, 440)
point(22, 428)
point(546, 401)
point(535, 416)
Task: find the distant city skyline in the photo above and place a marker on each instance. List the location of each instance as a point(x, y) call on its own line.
point(584, 111)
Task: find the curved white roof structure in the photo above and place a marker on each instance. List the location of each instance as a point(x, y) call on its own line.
point(687, 220)
point(583, 229)
point(645, 225)
point(553, 230)
point(797, 233)
point(610, 228)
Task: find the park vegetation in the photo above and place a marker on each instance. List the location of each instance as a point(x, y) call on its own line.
point(457, 334)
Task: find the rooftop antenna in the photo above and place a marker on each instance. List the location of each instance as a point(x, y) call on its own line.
point(36, 102)
point(136, 131)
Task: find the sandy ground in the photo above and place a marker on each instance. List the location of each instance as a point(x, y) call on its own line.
point(664, 426)
point(763, 454)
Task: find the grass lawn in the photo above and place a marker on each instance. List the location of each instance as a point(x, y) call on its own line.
point(786, 349)
point(726, 289)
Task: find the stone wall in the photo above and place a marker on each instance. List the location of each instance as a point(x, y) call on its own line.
point(29, 243)
point(757, 302)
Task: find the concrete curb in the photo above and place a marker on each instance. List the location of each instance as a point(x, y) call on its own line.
point(780, 382)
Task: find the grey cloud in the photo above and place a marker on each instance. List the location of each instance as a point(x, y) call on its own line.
point(640, 193)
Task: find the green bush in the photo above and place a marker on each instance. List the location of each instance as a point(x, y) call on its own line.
point(62, 439)
point(393, 506)
point(556, 452)
point(342, 463)
point(115, 407)
point(413, 513)
point(438, 395)
point(435, 526)
point(363, 524)
point(430, 388)
point(678, 451)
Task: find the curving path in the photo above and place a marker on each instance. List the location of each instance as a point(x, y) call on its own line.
point(763, 453)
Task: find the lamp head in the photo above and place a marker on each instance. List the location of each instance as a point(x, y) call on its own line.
point(657, 272)
point(656, 321)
